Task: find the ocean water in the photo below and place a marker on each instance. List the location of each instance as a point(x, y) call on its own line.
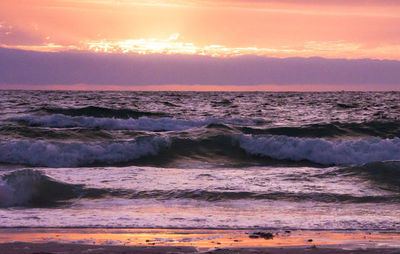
point(317, 161)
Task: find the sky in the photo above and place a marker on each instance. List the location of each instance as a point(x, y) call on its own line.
point(280, 45)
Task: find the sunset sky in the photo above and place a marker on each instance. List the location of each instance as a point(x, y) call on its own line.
point(200, 45)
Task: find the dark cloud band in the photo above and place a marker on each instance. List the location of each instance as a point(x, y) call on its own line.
point(39, 68)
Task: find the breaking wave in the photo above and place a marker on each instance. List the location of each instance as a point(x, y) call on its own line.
point(58, 154)
point(32, 188)
point(383, 129)
point(322, 151)
point(35, 189)
point(206, 145)
point(142, 123)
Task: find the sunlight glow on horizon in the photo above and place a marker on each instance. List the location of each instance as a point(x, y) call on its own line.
point(198, 88)
point(171, 46)
point(175, 44)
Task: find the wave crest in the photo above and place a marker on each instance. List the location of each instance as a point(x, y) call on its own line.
point(384, 173)
point(322, 151)
point(384, 129)
point(58, 154)
point(31, 187)
point(142, 123)
point(231, 147)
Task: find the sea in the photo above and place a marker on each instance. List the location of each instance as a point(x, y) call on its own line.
point(235, 160)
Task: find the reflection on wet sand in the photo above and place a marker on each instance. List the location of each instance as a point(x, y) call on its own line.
point(201, 238)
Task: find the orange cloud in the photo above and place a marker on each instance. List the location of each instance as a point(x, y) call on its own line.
point(335, 29)
point(173, 45)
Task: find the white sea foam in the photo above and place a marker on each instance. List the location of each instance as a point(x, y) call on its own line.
point(142, 123)
point(58, 154)
point(321, 150)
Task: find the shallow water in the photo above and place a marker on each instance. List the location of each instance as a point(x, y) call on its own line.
point(204, 160)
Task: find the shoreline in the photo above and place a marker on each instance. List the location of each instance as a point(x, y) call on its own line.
point(134, 240)
point(50, 248)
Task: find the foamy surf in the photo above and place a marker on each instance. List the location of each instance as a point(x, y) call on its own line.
point(60, 154)
point(141, 123)
point(315, 150)
point(326, 152)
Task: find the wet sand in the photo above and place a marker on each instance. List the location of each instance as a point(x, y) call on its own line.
point(47, 248)
point(88, 240)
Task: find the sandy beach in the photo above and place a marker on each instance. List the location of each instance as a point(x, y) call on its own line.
point(87, 240)
point(25, 248)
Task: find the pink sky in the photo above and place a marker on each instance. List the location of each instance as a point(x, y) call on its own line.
point(342, 29)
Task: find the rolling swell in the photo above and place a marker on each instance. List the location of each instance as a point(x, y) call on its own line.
point(32, 188)
point(383, 129)
point(384, 173)
point(82, 134)
point(102, 112)
point(212, 196)
point(204, 145)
